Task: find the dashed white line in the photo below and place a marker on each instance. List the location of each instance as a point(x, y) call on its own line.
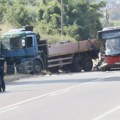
point(13, 106)
point(107, 113)
point(9, 109)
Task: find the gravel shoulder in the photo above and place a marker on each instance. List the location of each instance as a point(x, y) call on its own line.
point(14, 77)
point(10, 78)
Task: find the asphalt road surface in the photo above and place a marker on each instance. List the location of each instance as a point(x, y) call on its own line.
point(75, 96)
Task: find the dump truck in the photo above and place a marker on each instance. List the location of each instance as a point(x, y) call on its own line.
point(109, 39)
point(25, 52)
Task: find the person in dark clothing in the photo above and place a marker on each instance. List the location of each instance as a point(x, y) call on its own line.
point(2, 82)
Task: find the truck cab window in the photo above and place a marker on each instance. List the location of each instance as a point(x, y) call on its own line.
point(11, 43)
point(29, 41)
point(6, 43)
point(15, 43)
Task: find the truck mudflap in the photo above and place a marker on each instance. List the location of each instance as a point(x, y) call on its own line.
point(25, 67)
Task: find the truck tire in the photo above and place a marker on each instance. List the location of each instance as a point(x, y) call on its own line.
point(10, 69)
point(37, 67)
point(87, 64)
point(77, 64)
point(54, 69)
point(66, 68)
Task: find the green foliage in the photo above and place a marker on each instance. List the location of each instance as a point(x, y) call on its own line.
point(3, 7)
point(29, 2)
point(50, 16)
point(56, 38)
point(81, 17)
point(17, 14)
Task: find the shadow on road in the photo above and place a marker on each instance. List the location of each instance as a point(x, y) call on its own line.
point(63, 81)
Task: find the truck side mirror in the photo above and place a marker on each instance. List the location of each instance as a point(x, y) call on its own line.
point(23, 42)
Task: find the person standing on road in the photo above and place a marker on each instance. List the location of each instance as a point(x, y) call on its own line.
point(2, 82)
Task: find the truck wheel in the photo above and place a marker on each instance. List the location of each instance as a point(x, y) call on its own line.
point(10, 69)
point(77, 64)
point(87, 65)
point(66, 68)
point(37, 67)
point(54, 69)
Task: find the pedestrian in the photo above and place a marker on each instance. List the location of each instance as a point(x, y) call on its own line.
point(2, 82)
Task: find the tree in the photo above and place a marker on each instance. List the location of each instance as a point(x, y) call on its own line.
point(81, 18)
point(18, 15)
point(50, 14)
point(86, 16)
point(3, 9)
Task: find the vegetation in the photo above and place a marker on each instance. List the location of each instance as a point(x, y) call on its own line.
point(81, 18)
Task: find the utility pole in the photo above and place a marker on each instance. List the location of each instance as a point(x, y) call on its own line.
point(62, 17)
point(44, 1)
point(86, 1)
point(107, 18)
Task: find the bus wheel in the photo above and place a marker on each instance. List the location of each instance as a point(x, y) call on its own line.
point(88, 64)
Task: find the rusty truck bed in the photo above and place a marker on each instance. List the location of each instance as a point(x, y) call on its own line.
point(71, 47)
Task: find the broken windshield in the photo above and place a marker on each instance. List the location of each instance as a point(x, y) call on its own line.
point(12, 43)
point(112, 46)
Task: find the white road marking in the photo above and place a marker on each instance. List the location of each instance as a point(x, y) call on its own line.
point(107, 113)
point(80, 85)
point(52, 93)
point(60, 92)
point(9, 109)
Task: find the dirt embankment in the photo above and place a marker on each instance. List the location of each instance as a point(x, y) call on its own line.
point(13, 77)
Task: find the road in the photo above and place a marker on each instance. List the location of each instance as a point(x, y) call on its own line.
point(72, 96)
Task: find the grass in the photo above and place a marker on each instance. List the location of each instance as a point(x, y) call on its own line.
point(56, 38)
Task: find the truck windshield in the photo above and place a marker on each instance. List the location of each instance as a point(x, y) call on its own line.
point(12, 43)
point(112, 46)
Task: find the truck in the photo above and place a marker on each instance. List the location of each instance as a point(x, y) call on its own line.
point(109, 48)
point(25, 52)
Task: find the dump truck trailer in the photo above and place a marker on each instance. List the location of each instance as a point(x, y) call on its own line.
point(25, 52)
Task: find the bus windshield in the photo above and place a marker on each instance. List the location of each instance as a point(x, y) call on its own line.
point(110, 41)
point(110, 34)
point(112, 46)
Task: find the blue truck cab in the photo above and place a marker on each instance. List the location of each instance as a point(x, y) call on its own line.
point(22, 51)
